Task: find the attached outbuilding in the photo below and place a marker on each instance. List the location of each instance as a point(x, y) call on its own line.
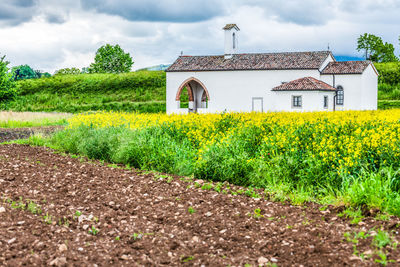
point(293, 81)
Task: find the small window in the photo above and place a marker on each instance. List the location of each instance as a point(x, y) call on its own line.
point(234, 40)
point(296, 102)
point(325, 101)
point(339, 96)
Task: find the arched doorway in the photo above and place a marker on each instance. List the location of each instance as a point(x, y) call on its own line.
point(197, 94)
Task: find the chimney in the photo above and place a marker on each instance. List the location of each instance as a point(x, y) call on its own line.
point(231, 39)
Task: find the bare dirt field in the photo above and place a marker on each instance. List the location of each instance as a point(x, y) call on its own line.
point(62, 211)
point(32, 116)
point(9, 134)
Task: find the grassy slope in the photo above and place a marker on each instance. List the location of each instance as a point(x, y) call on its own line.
point(142, 91)
point(389, 85)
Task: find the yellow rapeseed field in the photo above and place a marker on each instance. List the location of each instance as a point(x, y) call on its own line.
point(341, 140)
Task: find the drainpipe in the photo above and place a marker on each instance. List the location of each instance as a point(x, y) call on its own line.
point(334, 97)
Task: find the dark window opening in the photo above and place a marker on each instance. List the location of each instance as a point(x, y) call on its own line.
point(325, 101)
point(339, 96)
point(296, 102)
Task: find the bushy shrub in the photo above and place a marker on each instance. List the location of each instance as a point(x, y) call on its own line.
point(389, 73)
point(388, 104)
point(68, 71)
point(24, 72)
point(8, 88)
point(139, 82)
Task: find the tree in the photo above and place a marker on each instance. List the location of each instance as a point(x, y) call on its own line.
point(111, 59)
point(384, 53)
point(375, 49)
point(68, 71)
point(368, 42)
point(8, 88)
point(23, 72)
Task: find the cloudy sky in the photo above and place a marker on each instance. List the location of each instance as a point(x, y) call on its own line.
point(54, 34)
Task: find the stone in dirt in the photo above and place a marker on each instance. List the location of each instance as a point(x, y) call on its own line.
point(124, 257)
point(2, 209)
point(262, 260)
point(62, 248)
point(61, 261)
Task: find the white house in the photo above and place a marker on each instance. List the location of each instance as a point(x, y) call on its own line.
point(295, 81)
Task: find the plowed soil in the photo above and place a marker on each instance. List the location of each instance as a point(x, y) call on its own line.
point(63, 211)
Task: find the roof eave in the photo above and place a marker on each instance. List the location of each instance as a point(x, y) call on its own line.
point(317, 90)
point(238, 69)
point(349, 73)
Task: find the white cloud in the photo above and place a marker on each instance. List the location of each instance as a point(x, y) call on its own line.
point(50, 36)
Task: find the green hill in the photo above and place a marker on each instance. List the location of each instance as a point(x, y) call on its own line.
point(142, 91)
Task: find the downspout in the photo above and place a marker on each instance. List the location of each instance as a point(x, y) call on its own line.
point(334, 97)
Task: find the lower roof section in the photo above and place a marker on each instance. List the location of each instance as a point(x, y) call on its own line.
point(305, 84)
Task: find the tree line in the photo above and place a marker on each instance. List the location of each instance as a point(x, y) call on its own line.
point(108, 59)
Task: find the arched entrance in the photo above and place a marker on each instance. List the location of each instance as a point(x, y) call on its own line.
point(198, 95)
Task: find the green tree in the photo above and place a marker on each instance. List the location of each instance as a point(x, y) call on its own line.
point(23, 72)
point(111, 59)
point(384, 53)
point(368, 43)
point(8, 88)
point(375, 49)
point(68, 71)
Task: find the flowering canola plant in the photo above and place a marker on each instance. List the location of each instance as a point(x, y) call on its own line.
point(342, 141)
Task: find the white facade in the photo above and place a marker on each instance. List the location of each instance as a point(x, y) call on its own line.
point(235, 90)
point(360, 90)
point(251, 90)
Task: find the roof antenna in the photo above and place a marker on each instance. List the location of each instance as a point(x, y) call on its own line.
point(329, 49)
point(181, 53)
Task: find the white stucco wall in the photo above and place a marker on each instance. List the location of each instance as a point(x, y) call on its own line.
point(360, 90)
point(311, 101)
point(234, 90)
point(370, 89)
point(352, 88)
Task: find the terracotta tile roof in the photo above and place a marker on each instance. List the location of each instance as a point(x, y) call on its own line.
point(305, 84)
point(230, 26)
point(346, 67)
point(266, 61)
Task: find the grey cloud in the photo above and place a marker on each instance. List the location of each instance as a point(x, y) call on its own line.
point(16, 12)
point(306, 12)
point(156, 10)
point(24, 3)
point(55, 18)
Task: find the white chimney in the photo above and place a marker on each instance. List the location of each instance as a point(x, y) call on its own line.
point(231, 39)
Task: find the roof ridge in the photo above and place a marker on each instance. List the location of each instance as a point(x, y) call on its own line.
point(251, 61)
point(316, 85)
point(262, 53)
point(339, 62)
